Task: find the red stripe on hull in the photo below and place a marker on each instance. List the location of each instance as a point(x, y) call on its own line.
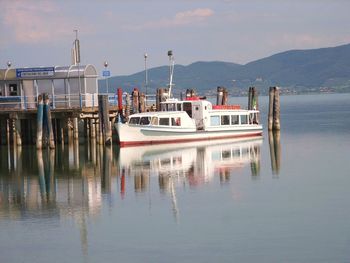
point(138, 143)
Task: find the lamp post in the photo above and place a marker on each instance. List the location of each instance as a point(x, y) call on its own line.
point(105, 64)
point(77, 60)
point(171, 71)
point(146, 74)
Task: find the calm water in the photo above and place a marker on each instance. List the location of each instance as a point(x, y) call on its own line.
point(280, 198)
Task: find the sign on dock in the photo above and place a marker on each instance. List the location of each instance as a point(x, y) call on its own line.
point(35, 72)
point(106, 73)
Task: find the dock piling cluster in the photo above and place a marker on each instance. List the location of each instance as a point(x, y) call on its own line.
point(222, 96)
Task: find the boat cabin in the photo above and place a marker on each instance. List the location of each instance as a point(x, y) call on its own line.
point(207, 116)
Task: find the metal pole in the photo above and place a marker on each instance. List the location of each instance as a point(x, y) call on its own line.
point(106, 65)
point(146, 76)
point(78, 61)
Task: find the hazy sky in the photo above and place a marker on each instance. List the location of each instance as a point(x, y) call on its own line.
point(40, 32)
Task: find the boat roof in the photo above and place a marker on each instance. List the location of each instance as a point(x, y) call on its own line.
point(158, 113)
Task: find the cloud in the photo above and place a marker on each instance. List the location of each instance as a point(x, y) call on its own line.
point(191, 16)
point(31, 22)
point(180, 19)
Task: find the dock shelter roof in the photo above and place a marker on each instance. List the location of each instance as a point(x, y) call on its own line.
point(57, 72)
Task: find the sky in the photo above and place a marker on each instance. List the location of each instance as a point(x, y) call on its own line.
point(41, 32)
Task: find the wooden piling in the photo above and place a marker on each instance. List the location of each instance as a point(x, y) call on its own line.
point(39, 123)
point(48, 121)
point(142, 102)
point(220, 93)
point(274, 109)
point(70, 131)
point(193, 93)
point(158, 98)
point(135, 101)
point(255, 104)
point(60, 136)
point(224, 96)
point(270, 114)
point(188, 93)
point(105, 126)
point(127, 106)
point(3, 131)
point(250, 98)
point(76, 128)
point(120, 100)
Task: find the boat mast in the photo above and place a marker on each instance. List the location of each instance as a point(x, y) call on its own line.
point(171, 71)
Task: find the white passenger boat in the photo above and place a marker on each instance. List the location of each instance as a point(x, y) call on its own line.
point(193, 119)
point(189, 120)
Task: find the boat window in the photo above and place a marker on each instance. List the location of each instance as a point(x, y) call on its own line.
point(145, 120)
point(171, 107)
point(13, 90)
point(225, 120)
point(244, 119)
point(164, 121)
point(214, 120)
point(176, 121)
point(236, 153)
point(179, 107)
point(226, 154)
point(234, 119)
point(154, 121)
point(188, 108)
point(134, 120)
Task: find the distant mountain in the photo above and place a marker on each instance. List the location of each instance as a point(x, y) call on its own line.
point(295, 71)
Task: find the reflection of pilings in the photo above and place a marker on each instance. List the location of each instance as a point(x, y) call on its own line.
point(8, 124)
point(92, 128)
point(49, 176)
point(122, 184)
point(18, 132)
point(140, 182)
point(224, 176)
point(174, 200)
point(275, 151)
point(93, 151)
point(255, 160)
point(106, 170)
point(76, 154)
point(41, 173)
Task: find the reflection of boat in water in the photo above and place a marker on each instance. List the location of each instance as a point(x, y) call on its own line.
point(188, 164)
point(203, 159)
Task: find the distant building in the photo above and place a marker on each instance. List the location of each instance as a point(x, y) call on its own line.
point(20, 87)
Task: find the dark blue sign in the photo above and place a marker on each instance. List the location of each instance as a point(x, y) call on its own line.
point(106, 73)
point(35, 72)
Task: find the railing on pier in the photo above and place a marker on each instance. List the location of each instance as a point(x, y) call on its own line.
point(63, 101)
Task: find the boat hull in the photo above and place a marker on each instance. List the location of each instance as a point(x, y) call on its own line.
point(136, 135)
